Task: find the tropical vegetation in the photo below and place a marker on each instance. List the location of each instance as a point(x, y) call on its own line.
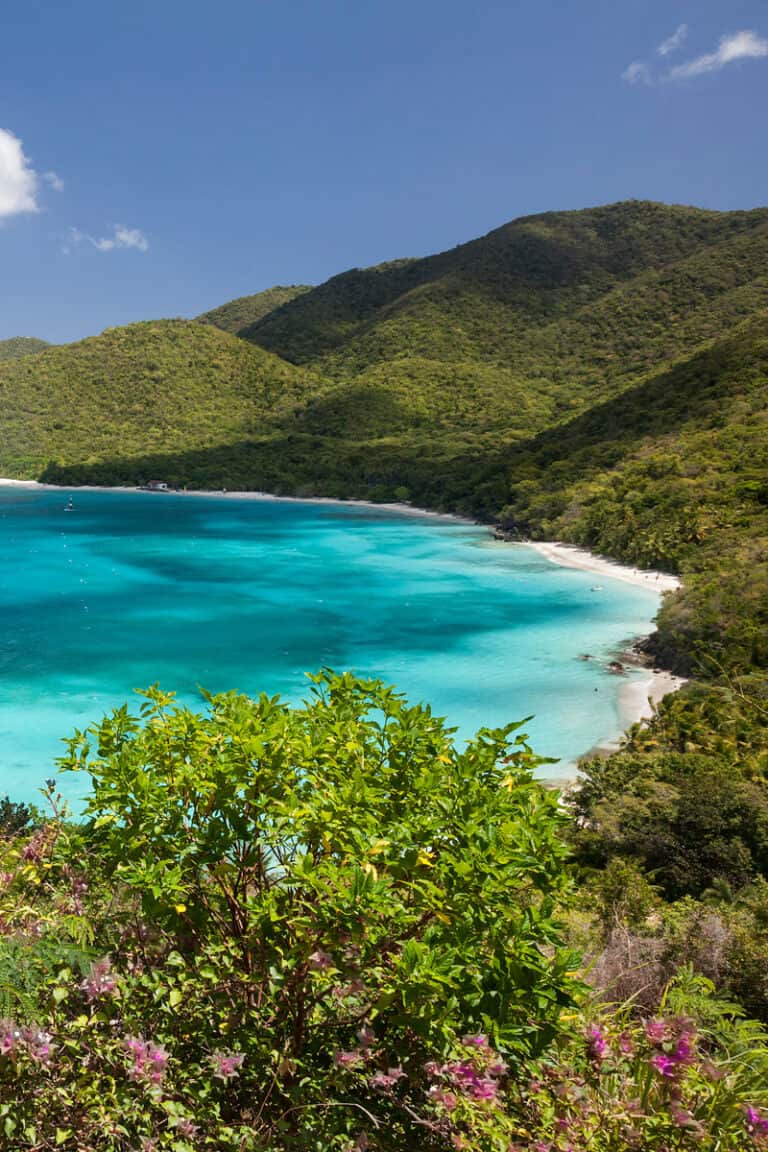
point(327, 927)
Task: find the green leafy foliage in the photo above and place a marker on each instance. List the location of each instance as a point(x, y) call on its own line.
point(307, 912)
point(326, 927)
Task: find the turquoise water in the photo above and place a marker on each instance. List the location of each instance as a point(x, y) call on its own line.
point(132, 588)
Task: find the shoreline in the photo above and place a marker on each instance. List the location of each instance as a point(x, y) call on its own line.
point(636, 695)
point(222, 494)
point(569, 556)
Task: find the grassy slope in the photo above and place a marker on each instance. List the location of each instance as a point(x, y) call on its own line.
point(18, 346)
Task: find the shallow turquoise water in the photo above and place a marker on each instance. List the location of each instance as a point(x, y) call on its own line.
point(130, 588)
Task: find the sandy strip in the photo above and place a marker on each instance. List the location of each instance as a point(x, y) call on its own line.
point(637, 697)
point(639, 691)
point(570, 557)
point(638, 694)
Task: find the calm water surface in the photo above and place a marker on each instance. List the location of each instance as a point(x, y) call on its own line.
point(132, 588)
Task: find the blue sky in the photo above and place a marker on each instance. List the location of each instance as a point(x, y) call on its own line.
point(158, 158)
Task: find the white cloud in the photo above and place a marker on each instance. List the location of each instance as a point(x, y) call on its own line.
point(738, 46)
point(121, 238)
point(673, 42)
point(54, 180)
point(18, 180)
point(637, 73)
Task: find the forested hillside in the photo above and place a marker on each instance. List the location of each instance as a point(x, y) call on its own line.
point(18, 346)
point(600, 377)
point(156, 386)
point(240, 314)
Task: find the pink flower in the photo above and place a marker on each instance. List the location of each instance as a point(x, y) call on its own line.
point(349, 1059)
point(100, 981)
point(10, 1035)
point(484, 1089)
point(664, 1064)
point(366, 1037)
point(656, 1031)
point(596, 1044)
point(478, 1041)
point(226, 1065)
point(684, 1050)
point(149, 1061)
point(385, 1081)
point(320, 960)
point(443, 1097)
point(756, 1123)
point(186, 1128)
point(467, 1078)
point(39, 1045)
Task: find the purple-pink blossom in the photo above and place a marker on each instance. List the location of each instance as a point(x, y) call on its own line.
point(468, 1079)
point(756, 1123)
point(443, 1097)
point(596, 1043)
point(149, 1060)
point(186, 1128)
point(10, 1035)
point(100, 981)
point(226, 1065)
point(386, 1081)
point(350, 1058)
point(684, 1050)
point(656, 1031)
point(478, 1041)
point(39, 1044)
point(664, 1064)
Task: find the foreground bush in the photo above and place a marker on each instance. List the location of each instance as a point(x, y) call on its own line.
point(327, 928)
point(309, 928)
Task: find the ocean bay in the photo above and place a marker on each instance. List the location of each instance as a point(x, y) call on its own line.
point(198, 591)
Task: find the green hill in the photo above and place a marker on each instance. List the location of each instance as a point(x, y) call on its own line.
point(18, 346)
point(240, 314)
point(574, 303)
point(163, 385)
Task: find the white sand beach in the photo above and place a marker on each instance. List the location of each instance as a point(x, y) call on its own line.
point(640, 689)
point(639, 693)
point(571, 557)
